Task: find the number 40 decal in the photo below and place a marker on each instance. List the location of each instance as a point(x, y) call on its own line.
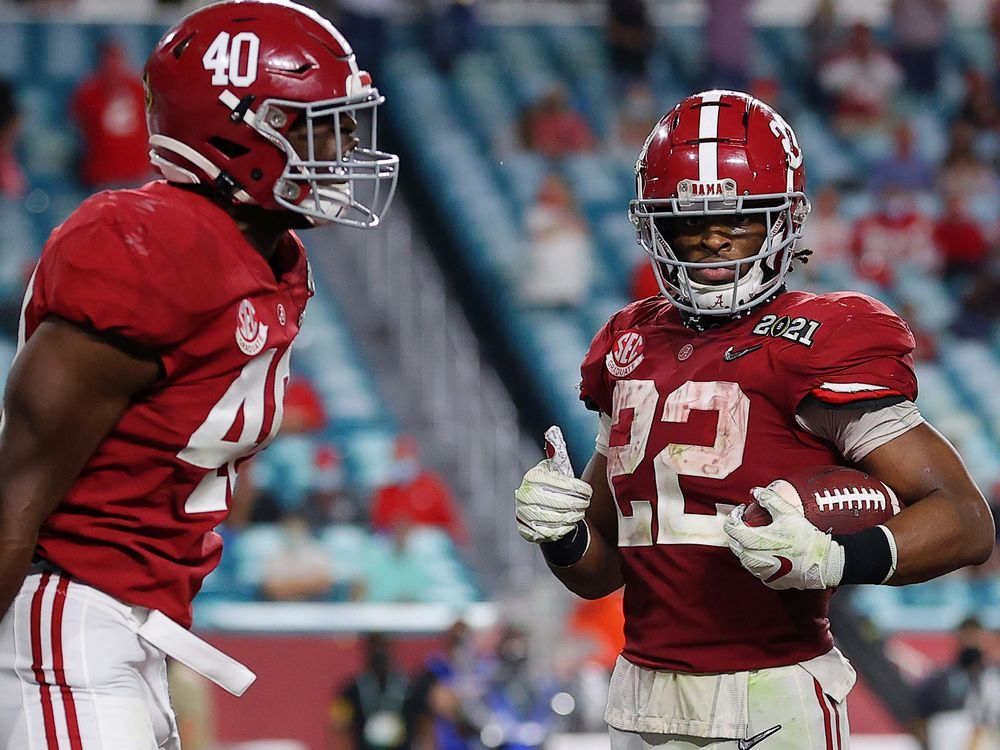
point(233, 60)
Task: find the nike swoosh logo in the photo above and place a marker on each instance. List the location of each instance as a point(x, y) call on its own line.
point(784, 568)
point(732, 354)
point(757, 738)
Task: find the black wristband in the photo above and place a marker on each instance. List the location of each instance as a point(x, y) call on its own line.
point(867, 556)
point(570, 549)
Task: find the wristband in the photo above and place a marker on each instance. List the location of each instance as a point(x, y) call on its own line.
point(869, 555)
point(570, 549)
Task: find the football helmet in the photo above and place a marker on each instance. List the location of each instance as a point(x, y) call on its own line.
point(258, 98)
point(721, 153)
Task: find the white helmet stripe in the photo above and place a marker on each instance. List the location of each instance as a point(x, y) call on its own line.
point(708, 127)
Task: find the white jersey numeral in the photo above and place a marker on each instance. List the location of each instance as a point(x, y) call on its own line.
point(634, 408)
point(233, 60)
point(213, 447)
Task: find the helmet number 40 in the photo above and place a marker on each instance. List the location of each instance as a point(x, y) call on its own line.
point(233, 59)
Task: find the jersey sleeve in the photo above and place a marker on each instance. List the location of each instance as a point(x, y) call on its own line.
point(108, 275)
point(595, 384)
point(863, 360)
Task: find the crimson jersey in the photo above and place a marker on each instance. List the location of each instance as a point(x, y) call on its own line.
point(697, 420)
point(166, 268)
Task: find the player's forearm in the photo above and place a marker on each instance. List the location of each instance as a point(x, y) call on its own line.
point(939, 534)
point(596, 574)
point(16, 549)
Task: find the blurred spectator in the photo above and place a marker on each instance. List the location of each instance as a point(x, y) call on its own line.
point(643, 282)
point(963, 172)
point(631, 38)
point(981, 304)
point(370, 712)
point(300, 570)
point(860, 81)
point(553, 128)
point(960, 240)
point(109, 109)
point(979, 107)
point(918, 32)
point(904, 169)
point(827, 233)
point(599, 624)
point(364, 22)
point(454, 30)
point(191, 698)
point(12, 180)
point(897, 236)
point(417, 496)
point(439, 690)
point(823, 37)
point(635, 117)
point(333, 499)
point(959, 705)
point(560, 253)
point(728, 36)
point(516, 711)
point(394, 570)
point(301, 472)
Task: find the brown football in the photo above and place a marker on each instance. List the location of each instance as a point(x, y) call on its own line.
point(835, 499)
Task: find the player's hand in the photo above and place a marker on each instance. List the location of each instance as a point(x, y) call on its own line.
point(551, 500)
point(788, 553)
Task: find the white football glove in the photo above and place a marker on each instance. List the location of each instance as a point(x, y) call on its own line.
point(788, 553)
point(551, 500)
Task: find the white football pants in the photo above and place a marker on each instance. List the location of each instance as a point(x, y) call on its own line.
point(75, 676)
point(786, 697)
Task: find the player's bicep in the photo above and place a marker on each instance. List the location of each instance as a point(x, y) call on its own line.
point(66, 390)
point(601, 514)
point(918, 463)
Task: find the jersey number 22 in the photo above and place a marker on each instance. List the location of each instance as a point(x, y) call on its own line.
point(635, 401)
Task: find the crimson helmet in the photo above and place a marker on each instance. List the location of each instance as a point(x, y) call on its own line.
point(721, 153)
point(227, 84)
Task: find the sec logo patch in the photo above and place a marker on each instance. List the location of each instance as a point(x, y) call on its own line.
point(626, 354)
point(251, 334)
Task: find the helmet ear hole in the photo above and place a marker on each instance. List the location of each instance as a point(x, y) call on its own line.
point(228, 148)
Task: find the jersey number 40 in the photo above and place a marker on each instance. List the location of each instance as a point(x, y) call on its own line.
point(220, 444)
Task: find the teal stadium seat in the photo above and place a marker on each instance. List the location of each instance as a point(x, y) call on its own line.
point(14, 46)
point(67, 50)
point(346, 545)
point(250, 550)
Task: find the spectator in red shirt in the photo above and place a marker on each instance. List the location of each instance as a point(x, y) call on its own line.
point(643, 282)
point(897, 236)
point(12, 179)
point(553, 128)
point(109, 109)
point(861, 81)
point(416, 496)
point(960, 240)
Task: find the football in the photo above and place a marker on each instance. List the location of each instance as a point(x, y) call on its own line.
point(835, 499)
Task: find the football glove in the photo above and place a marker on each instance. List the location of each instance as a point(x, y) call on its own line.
point(788, 553)
point(551, 500)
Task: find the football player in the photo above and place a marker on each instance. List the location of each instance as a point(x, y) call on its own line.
point(712, 389)
point(154, 351)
